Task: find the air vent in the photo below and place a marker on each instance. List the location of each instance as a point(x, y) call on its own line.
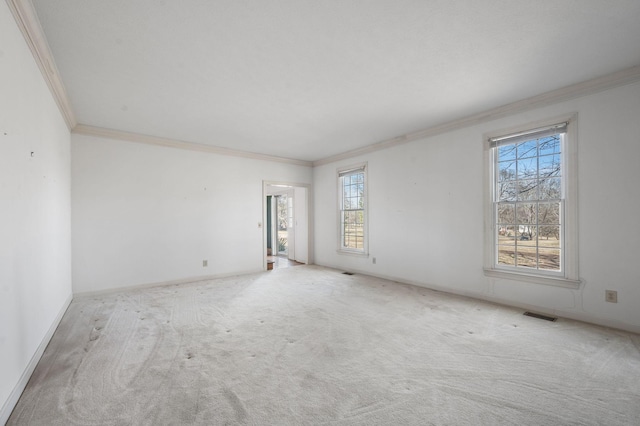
point(347, 273)
point(540, 316)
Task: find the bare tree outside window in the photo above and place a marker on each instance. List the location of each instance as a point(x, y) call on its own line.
point(352, 210)
point(528, 203)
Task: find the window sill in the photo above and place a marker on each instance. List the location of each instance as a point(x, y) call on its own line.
point(531, 278)
point(353, 253)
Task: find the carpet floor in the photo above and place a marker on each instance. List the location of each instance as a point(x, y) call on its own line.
point(309, 345)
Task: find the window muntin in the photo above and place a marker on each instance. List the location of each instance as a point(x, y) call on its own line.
point(528, 201)
point(352, 190)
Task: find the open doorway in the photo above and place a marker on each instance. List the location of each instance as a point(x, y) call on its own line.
point(286, 225)
point(283, 221)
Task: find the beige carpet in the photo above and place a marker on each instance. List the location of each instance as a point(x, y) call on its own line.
point(309, 345)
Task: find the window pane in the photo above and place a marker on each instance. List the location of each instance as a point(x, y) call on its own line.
point(507, 152)
point(507, 236)
point(550, 189)
point(527, 190)
point(549, 213)
point(353, 234)
point(506, 171)
point(527, 235)
point(549, 236)
point(528, 168)
point(526, 214)
point(353, 229)
point(550, 145)
point(349, 218)
point(527, 257)
point(528, 149)
point(549, 258)
point(506, 214)
point(359, 236)
point(506, 255)
point(550, 165)
point(353, 218)
point(506, 191)
point(355, 202)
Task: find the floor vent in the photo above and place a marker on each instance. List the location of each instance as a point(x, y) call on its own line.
point(347, 273)
point(540, 316)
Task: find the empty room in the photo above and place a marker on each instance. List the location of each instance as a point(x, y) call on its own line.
point(297, 212)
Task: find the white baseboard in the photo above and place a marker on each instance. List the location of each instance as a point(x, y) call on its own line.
point(573, 315)
point(188, 280)
point(10, 403)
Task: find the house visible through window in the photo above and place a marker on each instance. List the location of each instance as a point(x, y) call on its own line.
point(528, 200)
point(352, 193)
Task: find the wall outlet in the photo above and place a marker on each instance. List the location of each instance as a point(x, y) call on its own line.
point(374, 260)
point(611, 296)
point(205, 263)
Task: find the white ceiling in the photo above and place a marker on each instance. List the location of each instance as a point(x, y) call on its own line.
point(308, 79)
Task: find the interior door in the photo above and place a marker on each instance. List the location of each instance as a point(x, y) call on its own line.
point(301, 224)
point(291, 229)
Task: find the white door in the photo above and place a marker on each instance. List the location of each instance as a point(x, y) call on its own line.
point(301, 225)
point(291, 229)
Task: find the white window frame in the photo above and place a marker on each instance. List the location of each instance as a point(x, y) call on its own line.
point(347, 171)
point(569, 276)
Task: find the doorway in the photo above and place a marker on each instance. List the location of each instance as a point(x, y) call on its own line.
point(286, 233)
point(284, 229)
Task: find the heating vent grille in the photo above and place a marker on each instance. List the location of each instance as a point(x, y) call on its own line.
point(540, 316)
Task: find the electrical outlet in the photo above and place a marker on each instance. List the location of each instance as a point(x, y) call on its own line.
point(374, 260)
point(205, 263)
point(611, 296)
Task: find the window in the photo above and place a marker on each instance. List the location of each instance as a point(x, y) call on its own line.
point(352, 208)
point(532, 204)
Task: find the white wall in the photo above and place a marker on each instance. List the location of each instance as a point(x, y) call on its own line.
point(426, 212)
point(35, 246)
point(146, 214)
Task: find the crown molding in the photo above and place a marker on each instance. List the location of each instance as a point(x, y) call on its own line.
point(83, 129)
point(28, 23)
point(620, 78)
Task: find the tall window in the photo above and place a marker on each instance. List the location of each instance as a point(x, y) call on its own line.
point(352, 193)
point(529, 203)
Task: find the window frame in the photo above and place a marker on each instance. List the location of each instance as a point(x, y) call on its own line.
point(340, 174)
point(568, 276)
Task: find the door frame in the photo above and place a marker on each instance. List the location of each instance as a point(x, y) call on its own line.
point(309, 209)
